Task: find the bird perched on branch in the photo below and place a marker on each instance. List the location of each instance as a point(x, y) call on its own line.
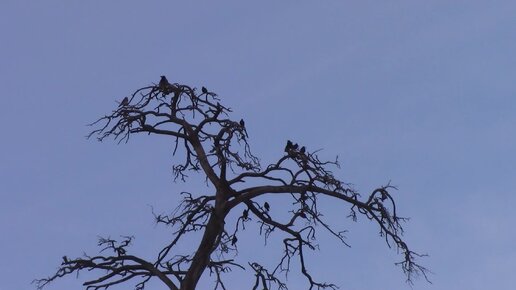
point(288, 146)
point(266, 206)
point(242, 125)
point(295, 146)
point(234, 240)
point(164, 86)
point(124, 102)
point(245, 214)
point(303, 150)
point(208, 93)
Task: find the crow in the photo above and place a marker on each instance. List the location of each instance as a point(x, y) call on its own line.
point(204, 90)
point(242, 126)
point(164, 85)
point(234, 240)
point(245, 214)
point(266, 206)
point(288, 146)
point(124, 102)
point(303, 150)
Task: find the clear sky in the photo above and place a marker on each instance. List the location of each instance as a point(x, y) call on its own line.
point(422, 93)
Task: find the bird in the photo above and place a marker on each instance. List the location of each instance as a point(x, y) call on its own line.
point(163, 82)
point(204, 90)
point(234, 240)
point(242, 126)
point(266, 206)
point(303, 150)
point(302, 214)
point(124, 102)
point(164, 85)
point(288, 146)
point(65, 259)
point(295, 146)
point(245, 214)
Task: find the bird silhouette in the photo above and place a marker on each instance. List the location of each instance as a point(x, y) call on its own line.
point(234, 240)
point(242, 126)
point(65, 260)
point(288, 146)
point(204, 90)
point(164, 85)
point(303, 150)
point(295, 146)
point(124, 102)
point(245, 214)
point(302, 214)
point(266, 206)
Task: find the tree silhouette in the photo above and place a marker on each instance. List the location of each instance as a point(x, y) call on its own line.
point(211, 143)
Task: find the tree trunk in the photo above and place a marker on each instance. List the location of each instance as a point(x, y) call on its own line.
point(201, 258)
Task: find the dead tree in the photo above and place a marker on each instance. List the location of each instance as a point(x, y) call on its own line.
point(211, 143)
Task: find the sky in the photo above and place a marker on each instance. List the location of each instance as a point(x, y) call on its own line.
point(418, 93)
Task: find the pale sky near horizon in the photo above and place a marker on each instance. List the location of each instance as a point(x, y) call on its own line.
point(419, 93)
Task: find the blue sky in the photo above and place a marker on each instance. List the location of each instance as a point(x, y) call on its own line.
point(419, 93)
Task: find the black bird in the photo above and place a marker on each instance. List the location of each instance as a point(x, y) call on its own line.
point(242, 126)
point(124, 102)
point(266, 206)
point(303, 150)
point(288, 146)
point(204, 90)
point(302, 214)
point(65, 260)
point(245, 214)
point(234, 240)
point(164, 85)
point(295, 146)
point(163, 81)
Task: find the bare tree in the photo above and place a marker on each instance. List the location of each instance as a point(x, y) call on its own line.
point(211, 143)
